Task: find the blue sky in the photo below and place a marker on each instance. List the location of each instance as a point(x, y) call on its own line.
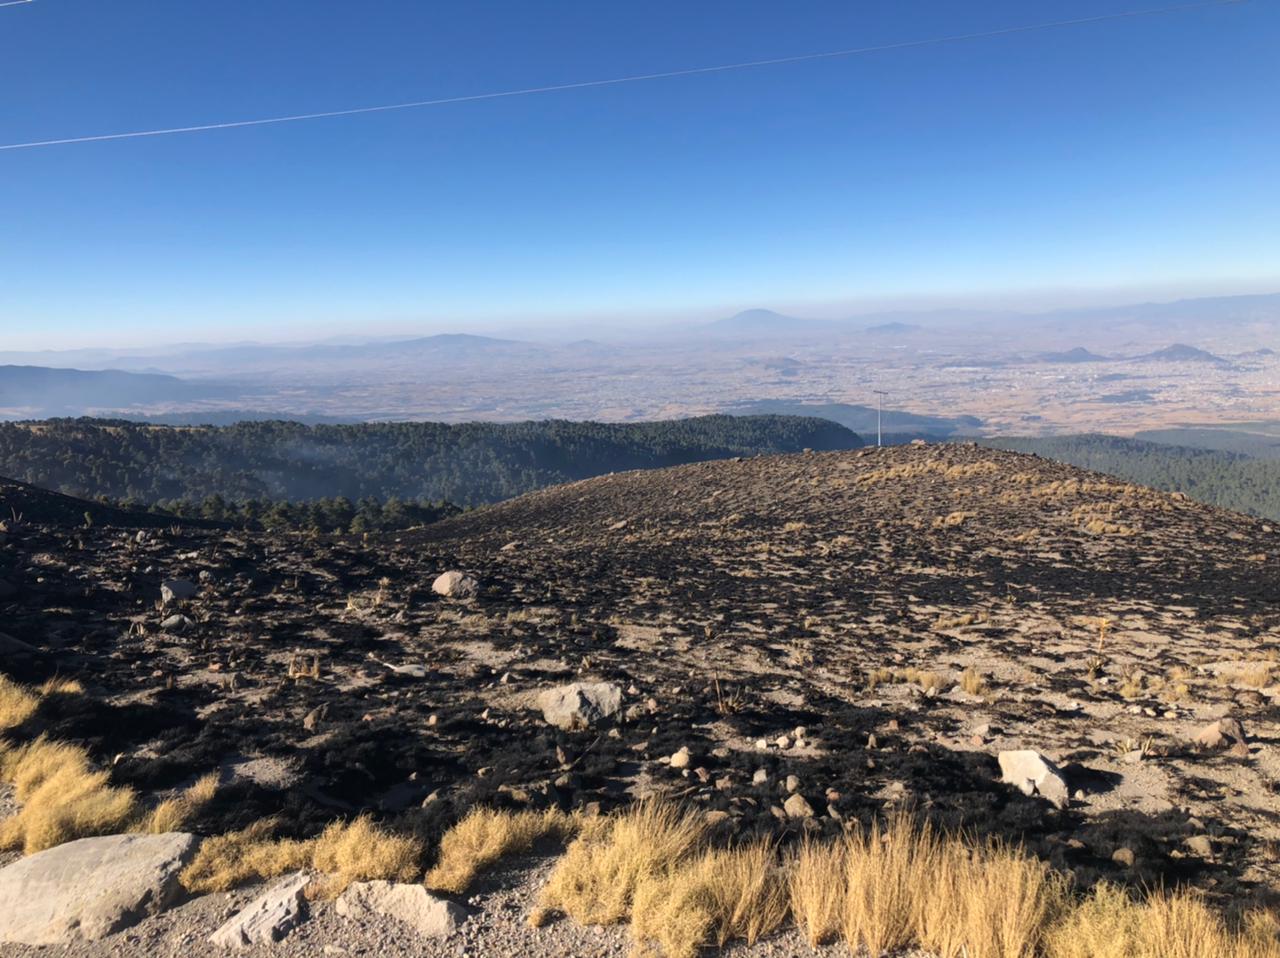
point(1134, 157)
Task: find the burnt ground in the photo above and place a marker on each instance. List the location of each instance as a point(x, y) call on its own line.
point(733, 601)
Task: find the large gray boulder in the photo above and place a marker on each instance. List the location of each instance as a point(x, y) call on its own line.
point(269, 917)
point(429, 915)
point(455, 585)
point(91, 888)
point(1033, 774)
point(580, 705)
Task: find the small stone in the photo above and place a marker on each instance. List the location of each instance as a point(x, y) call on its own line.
point(1201, 845)
point(792, 783)
point(312, 720)
point(761, 777)
point(173, 590)
point(1223, 733)
point(455, 585)
point(783, 741)
point(797, 807)
point(681, 758)
point(1123, 856)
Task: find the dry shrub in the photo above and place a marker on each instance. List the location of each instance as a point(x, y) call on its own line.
point(595, 882)
point(62, 796)
point(973, 681)
point(987, 901)
point(1109, 924)
point(18, 703)
point(816, 885)
point(346, 852)
point(173, 814)
point(717, 896)
point(486, 835)
point(902, 885)
point(253, 853)
point(361, 851)
point(929, 681)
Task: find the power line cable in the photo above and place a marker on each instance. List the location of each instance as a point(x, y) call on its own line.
point(635, 78)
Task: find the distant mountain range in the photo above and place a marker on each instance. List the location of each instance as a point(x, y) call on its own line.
point(34, 391)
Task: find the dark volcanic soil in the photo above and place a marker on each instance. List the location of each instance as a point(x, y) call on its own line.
point(733, 602)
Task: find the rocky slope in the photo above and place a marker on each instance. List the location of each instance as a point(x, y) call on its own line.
point(863, 629)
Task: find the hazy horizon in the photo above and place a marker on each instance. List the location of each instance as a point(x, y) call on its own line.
point(621, 326)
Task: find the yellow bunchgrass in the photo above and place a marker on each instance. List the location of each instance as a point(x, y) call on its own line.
point(62, 797)
point(595, 882)
point(61, 794)
point(173, 814)
point(716, 896)
point(816, 884)
point(1110, 924)
point(485, 836)
point(19, 703)
point(345, 851)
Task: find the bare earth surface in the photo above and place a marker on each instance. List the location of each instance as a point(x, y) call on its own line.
point(910, 611)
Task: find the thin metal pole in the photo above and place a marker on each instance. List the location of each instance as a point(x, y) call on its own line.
point(880, 394)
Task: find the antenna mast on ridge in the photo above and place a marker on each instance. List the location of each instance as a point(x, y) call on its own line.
point(880, 394)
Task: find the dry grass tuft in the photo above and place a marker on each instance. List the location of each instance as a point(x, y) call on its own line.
point(905, 885)
point(816, 884)
point(253, 853)
point(1109, 924)
point(716, 896)
point(486, 835)
point(173, 814)
point(346, 852)
point(17, 703)
point(596, 881)
point(361, 851)
point(973, 681)
point(62, 796)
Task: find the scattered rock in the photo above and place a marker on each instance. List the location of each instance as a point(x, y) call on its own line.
point(681, 758)
point(1033, 774)
point(269, 917)
point(429, 915)
point(580, 705)
point(1224, 733)
point(455, 585)
point(311, 721)
point(176, 623)
point(761, 777)
point(797, 807)
point(792, 783)
point(1123, 856)
point(173, 590)
point(90, 888)
point(1201, 845)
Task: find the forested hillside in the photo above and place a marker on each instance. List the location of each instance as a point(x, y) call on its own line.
point(419, 463)
point(1219, 478)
